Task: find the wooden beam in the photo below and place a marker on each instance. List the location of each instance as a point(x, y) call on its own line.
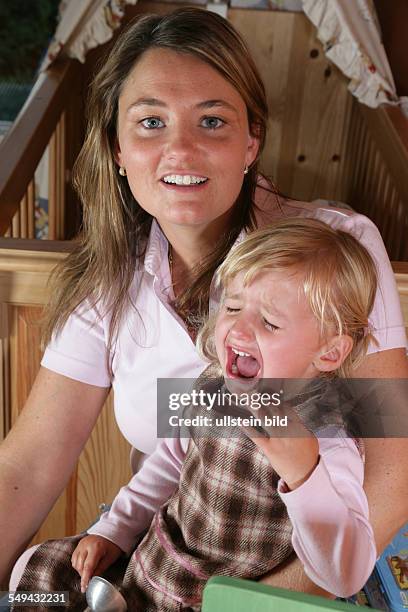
point(25, 272)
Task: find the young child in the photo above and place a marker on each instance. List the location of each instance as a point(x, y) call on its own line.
point(296, 300)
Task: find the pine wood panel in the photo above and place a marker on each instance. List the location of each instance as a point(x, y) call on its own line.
point(308, 100)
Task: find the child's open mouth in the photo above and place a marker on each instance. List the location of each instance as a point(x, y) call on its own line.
point(241, 364)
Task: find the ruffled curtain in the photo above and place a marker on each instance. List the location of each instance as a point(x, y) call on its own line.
point(351, 36)
point(83, 25)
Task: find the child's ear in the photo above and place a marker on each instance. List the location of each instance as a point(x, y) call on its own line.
point(332, 355)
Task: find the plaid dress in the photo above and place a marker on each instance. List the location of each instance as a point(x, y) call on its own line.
point(226, 518)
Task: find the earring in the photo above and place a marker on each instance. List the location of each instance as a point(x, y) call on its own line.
point(246, 170)
point(122, 171)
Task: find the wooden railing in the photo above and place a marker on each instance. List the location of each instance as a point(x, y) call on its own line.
point(103, 467)
point(44, 121)
point(378, 173)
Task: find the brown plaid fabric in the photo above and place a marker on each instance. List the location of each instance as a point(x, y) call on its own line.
point(226, 518)
point(50, 569)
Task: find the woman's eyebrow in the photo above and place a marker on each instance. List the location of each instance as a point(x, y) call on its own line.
point(145, 102)
point(202, 105)
point(217, 103)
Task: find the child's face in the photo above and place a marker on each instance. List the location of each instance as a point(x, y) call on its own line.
point(271, 322)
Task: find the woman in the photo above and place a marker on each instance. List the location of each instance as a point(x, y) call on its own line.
point(167, 176)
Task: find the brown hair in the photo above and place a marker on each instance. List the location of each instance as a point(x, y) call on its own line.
point(339, 278)
point(115, 228)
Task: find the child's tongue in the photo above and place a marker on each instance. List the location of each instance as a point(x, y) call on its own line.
point(247, 366)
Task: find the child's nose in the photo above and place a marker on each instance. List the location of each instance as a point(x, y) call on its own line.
point(242, 328)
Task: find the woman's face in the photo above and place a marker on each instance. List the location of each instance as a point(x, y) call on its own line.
point(184, 140)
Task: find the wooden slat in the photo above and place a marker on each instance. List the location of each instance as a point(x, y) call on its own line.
point(23, 146)
point(23, 217)
point(52, 187)
point(5, 411)
point(31, 209)
point(401, 276)
point(15, 225)
point(61, 178)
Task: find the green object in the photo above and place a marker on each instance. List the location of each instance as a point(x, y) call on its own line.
point(223, 594)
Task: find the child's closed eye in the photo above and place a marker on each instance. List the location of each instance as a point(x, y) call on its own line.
point(270, 326)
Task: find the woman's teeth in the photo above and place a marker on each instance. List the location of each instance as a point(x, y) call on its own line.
point(186, 179)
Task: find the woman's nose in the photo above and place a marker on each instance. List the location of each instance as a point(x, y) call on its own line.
point(180, 143)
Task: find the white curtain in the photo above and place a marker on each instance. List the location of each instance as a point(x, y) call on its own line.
point(351, 36)
point(83, 25)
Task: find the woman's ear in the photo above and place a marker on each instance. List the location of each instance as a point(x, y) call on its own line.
point(253, 145)
point(117, 153)
point(331, 355)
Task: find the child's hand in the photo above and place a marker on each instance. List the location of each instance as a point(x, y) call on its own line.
point(294, 459)
point(293, 451)
point(93, 555)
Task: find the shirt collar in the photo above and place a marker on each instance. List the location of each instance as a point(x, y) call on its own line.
point(156, 250)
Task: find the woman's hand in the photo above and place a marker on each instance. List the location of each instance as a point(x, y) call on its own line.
point(93, 555)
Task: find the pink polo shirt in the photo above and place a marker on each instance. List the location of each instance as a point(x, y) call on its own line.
point(153, 341)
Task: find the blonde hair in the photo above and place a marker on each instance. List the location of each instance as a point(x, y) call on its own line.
point(115, 227)
point(339, 278)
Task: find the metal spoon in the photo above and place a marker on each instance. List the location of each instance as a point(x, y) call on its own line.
point(102, 596)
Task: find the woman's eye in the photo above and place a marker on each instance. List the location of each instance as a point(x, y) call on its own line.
point(270, 326)
point(230, 309)
point(152, 123)
point(212, 122)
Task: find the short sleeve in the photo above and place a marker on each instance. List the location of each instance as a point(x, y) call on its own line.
point(80, 351)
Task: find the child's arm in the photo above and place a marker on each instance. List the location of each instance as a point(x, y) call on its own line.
point(329, 513)
point(132, 509)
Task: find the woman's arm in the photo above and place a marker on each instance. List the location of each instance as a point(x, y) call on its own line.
point(39, 454)
point(385, 478)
